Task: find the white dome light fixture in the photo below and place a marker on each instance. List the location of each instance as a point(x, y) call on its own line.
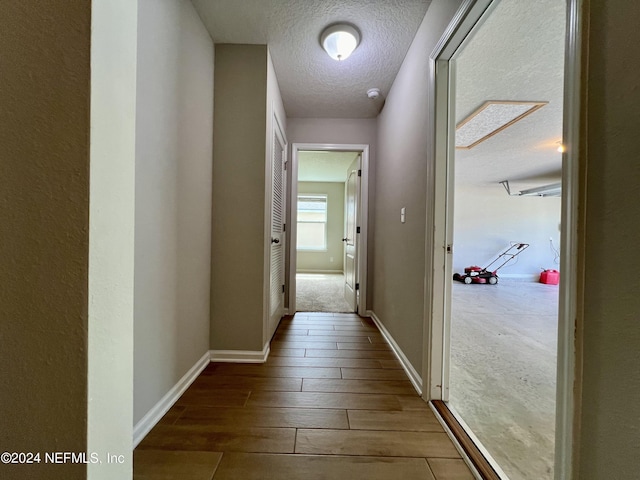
point(340, 40)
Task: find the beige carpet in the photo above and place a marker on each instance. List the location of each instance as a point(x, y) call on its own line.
point(320, 293)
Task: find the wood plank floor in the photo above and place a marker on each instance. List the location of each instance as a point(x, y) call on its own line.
point(331, 402)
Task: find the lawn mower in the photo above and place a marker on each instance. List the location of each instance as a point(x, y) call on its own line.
point(475, 274)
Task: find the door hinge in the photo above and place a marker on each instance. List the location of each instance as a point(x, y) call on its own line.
point(357, 286)
point(357, 229)
point(282, 288)
point(285, 164)
point(359, 173)
point(284, 227)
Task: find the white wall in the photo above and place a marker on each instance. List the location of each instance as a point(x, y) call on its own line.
point(401, 181)
point(486, 220)
point(332, 257)
point(173, 197)
point(111, 235)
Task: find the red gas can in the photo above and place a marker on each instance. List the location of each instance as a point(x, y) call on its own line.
point(550, 277)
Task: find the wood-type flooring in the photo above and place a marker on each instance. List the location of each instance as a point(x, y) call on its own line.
point(331, 402)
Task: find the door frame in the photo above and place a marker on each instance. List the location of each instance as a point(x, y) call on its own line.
point(363, 215)
point(439, 225)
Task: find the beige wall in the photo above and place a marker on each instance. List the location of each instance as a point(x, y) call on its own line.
point(610, 431)
point(238, 236)
point(44, 226)
point(174, 124)
point(314, 261)
point(401, 179)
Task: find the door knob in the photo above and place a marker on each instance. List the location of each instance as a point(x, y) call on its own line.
point(275, 240)
point(345, 239)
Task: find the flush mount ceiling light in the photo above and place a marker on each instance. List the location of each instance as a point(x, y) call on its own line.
point(340, 40)
point(491, 118)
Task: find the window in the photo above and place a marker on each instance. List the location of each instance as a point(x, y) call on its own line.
point(312, 222)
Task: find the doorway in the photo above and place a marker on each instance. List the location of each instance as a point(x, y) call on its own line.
point(327, 258)
point(466, 237)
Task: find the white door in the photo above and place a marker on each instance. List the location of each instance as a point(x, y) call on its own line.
point(276, 299)
point(352, 187)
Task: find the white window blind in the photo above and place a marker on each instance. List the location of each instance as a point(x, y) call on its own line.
point(312, 222)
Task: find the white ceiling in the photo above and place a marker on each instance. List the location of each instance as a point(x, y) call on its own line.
point(516, 54)
point(324, 166)
point(312, 84)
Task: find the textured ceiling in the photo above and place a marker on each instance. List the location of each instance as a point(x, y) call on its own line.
point(516, 54)
point(312, 84)
point(324, 166)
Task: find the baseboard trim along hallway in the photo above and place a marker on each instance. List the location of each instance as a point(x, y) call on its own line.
point(240, 356)
point(414, 376)
point(154, 415)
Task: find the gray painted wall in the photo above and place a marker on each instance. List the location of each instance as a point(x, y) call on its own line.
point(173, 197)
point(246, 98)
point(309, 261)
point(610, 431)
point(486, 220)
point(360, 131)
point(44, 226)
point(238, 238)
point(401, 179)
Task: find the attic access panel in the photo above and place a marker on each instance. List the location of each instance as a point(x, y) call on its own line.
point(491, 118)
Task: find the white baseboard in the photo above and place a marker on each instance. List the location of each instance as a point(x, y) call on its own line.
point(240, 356)
point(336, 272)
point(522, 277)
point(154, 415)
point(414, 376)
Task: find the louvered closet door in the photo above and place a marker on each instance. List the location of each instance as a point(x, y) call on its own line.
point(277, 233)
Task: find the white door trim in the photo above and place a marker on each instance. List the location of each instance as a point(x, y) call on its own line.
point(363, 217)
point(436, 343)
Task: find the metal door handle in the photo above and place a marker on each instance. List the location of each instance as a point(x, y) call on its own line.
point(275, 240)
point(345, 239)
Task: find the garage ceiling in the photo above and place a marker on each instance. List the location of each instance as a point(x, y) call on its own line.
point(516, 54)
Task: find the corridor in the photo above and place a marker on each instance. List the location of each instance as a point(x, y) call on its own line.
point(331, 402)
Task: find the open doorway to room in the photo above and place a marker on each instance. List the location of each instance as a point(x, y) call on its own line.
point(326, 231)
point(499, 161)
point(504, 335)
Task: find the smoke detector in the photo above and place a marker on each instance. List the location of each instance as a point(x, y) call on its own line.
point(373, 93)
